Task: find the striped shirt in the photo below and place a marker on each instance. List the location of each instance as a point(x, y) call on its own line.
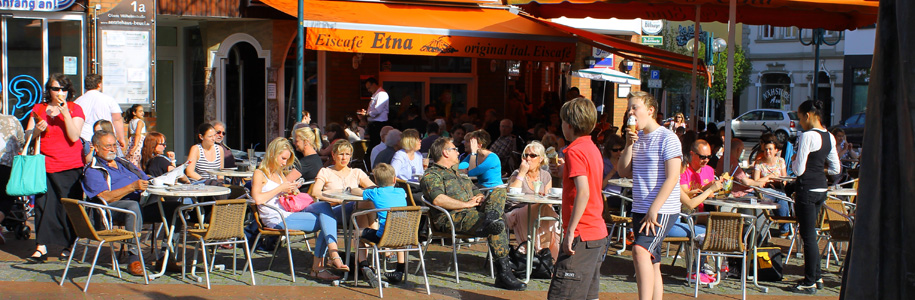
point(649, 154)
point(203, 166)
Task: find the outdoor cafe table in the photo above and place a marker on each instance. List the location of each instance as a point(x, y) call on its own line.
point(344, 196)
point(842, 192)
point(621, 182)
point(532, 227)
point(746, 203)
point(180, 191)
point(237, 176)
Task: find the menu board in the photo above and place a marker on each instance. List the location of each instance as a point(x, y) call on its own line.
point(127, 51)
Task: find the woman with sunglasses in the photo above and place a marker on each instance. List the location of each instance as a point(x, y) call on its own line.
point(58, 121)
point(533, 177)
point(137, 131)
point(613, 147)
point(155, 160)
point(678, 121)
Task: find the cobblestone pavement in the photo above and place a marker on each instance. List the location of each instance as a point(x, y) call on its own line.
point(40, 281)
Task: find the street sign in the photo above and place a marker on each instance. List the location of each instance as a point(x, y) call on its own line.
point(654, 83)
point(652, 40)
point(655, 74)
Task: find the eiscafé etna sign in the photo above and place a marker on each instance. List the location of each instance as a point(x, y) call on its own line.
point(362, 41)
point(36, 5)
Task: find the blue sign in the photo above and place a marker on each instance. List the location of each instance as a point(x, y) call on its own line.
point(655, 74)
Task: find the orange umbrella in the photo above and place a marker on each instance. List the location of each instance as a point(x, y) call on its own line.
point(826, 14)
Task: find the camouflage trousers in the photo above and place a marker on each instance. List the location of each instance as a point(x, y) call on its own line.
point(466, 219)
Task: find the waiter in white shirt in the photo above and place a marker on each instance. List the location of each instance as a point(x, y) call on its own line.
point(377, 113)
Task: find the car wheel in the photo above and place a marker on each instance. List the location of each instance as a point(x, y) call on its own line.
point(782, 136)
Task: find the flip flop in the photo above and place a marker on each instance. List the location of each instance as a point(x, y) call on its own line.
point(315, 276)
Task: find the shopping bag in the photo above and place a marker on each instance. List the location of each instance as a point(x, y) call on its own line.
point(28, 176)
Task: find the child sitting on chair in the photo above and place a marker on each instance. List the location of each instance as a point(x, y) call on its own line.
point(383, 196)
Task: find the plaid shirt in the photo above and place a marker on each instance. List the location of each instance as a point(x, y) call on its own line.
point(504, 146)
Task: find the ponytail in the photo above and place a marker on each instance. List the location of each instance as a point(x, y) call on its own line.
point(816, 107)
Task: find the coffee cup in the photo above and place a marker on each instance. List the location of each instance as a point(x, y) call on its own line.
point(556, 191)
point(513, 190)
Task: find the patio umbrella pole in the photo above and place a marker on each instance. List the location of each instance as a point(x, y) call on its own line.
point(693, 94)
point(729, 94)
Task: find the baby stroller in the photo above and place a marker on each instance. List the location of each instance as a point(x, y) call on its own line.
point(19, 214)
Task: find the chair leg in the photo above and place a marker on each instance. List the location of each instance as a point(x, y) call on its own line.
point(276, 248)
point(248, 256)
point(422, 264)
point(289, 254)
point(69, 260)
point(743, 277)
point(142, 262)
point(94, 260)
point(206, 268)
point(377, 267)
point(454, 250)
point(114, 261)
point(698, 267)
point(676, 255)
point(791, 247)
point(253, 248)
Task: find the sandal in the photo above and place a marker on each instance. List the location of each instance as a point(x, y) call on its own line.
point(327, 278)
point(41, 258)
point(64, 254)
point(344, 268)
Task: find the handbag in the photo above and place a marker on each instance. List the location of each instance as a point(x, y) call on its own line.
point(28, 176)
point(295, 203)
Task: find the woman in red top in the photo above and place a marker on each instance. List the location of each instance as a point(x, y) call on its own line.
point(58, 121)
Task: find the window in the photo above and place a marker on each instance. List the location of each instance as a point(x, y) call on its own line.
point(862, 77)
point(431, 64)
point(767, 32)
point(776, 91)
point(790, 32)
point(772, 116)
point(751, 116)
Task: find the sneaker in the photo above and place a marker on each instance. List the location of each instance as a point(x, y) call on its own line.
point(703, 278)
point(369, 276)
point(800, 287)
point(820, 284)
point(707, 269)
point(395, 277)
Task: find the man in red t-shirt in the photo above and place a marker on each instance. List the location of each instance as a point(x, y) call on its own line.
point(585, 239)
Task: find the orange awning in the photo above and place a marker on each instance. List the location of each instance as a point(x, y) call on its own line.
point(632, 51)
point(431, 30)
point(826, 14)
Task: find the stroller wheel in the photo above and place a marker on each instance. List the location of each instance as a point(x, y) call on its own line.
point(24, 233)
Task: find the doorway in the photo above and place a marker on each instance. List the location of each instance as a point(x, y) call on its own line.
point(244, 97)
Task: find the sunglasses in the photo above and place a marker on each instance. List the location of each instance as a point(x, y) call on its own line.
point(531, 155)
point(703, 156)
point(616, 149)
point(162, 144)
point(59, 88)
point(452, 149)
point(221, 132)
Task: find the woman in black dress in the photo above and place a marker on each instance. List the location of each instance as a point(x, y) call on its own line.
point(816, 151)
point(306, 140)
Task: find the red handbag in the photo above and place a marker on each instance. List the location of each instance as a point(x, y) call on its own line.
point(296, 203)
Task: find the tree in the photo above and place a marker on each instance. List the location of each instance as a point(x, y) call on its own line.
point(742, 69)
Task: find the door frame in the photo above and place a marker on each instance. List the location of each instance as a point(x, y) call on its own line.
point(219, 61)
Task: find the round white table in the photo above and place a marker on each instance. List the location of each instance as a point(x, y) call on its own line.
point(744, 203)
point(236, 175)
point(621, 182)
point(180, 191)
point(534, 224)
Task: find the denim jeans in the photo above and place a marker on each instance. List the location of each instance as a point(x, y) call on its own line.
point(783, 210)
point(680, 229)
point(316, 217)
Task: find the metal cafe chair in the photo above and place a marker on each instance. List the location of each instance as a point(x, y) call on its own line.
point(86, 234)
point(226, 226)
point(725, 237)
point(401, 234)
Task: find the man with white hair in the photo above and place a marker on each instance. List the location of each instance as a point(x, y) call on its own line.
point(506, 146)
point(381, 146)
point(392, 143)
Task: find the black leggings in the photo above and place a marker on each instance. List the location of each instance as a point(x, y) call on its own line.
point(807, 206)
point(52, 227)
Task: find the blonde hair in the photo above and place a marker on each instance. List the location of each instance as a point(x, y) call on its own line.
point(581, 114)
point(277, 146)
point(410, 140)
point(340, 145)
point(646, 99)
point(312, 136)
point(679, 114)
point(384, 174)
point(538, 149)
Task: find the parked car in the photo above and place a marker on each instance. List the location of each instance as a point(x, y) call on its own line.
point(854, 128)
point(752, 124)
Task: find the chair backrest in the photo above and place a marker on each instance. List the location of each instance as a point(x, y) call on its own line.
point(835, 214)
point(402, 227)
point(409, 189)
point(227, 220)
point(257, 216)
point(724, 233)
point(360, 148)
point(80, 220)
point(852, 199)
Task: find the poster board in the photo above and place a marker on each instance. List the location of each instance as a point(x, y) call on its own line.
point(126, 42)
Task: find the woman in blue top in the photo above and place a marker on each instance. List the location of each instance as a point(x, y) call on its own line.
point(483, 164)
